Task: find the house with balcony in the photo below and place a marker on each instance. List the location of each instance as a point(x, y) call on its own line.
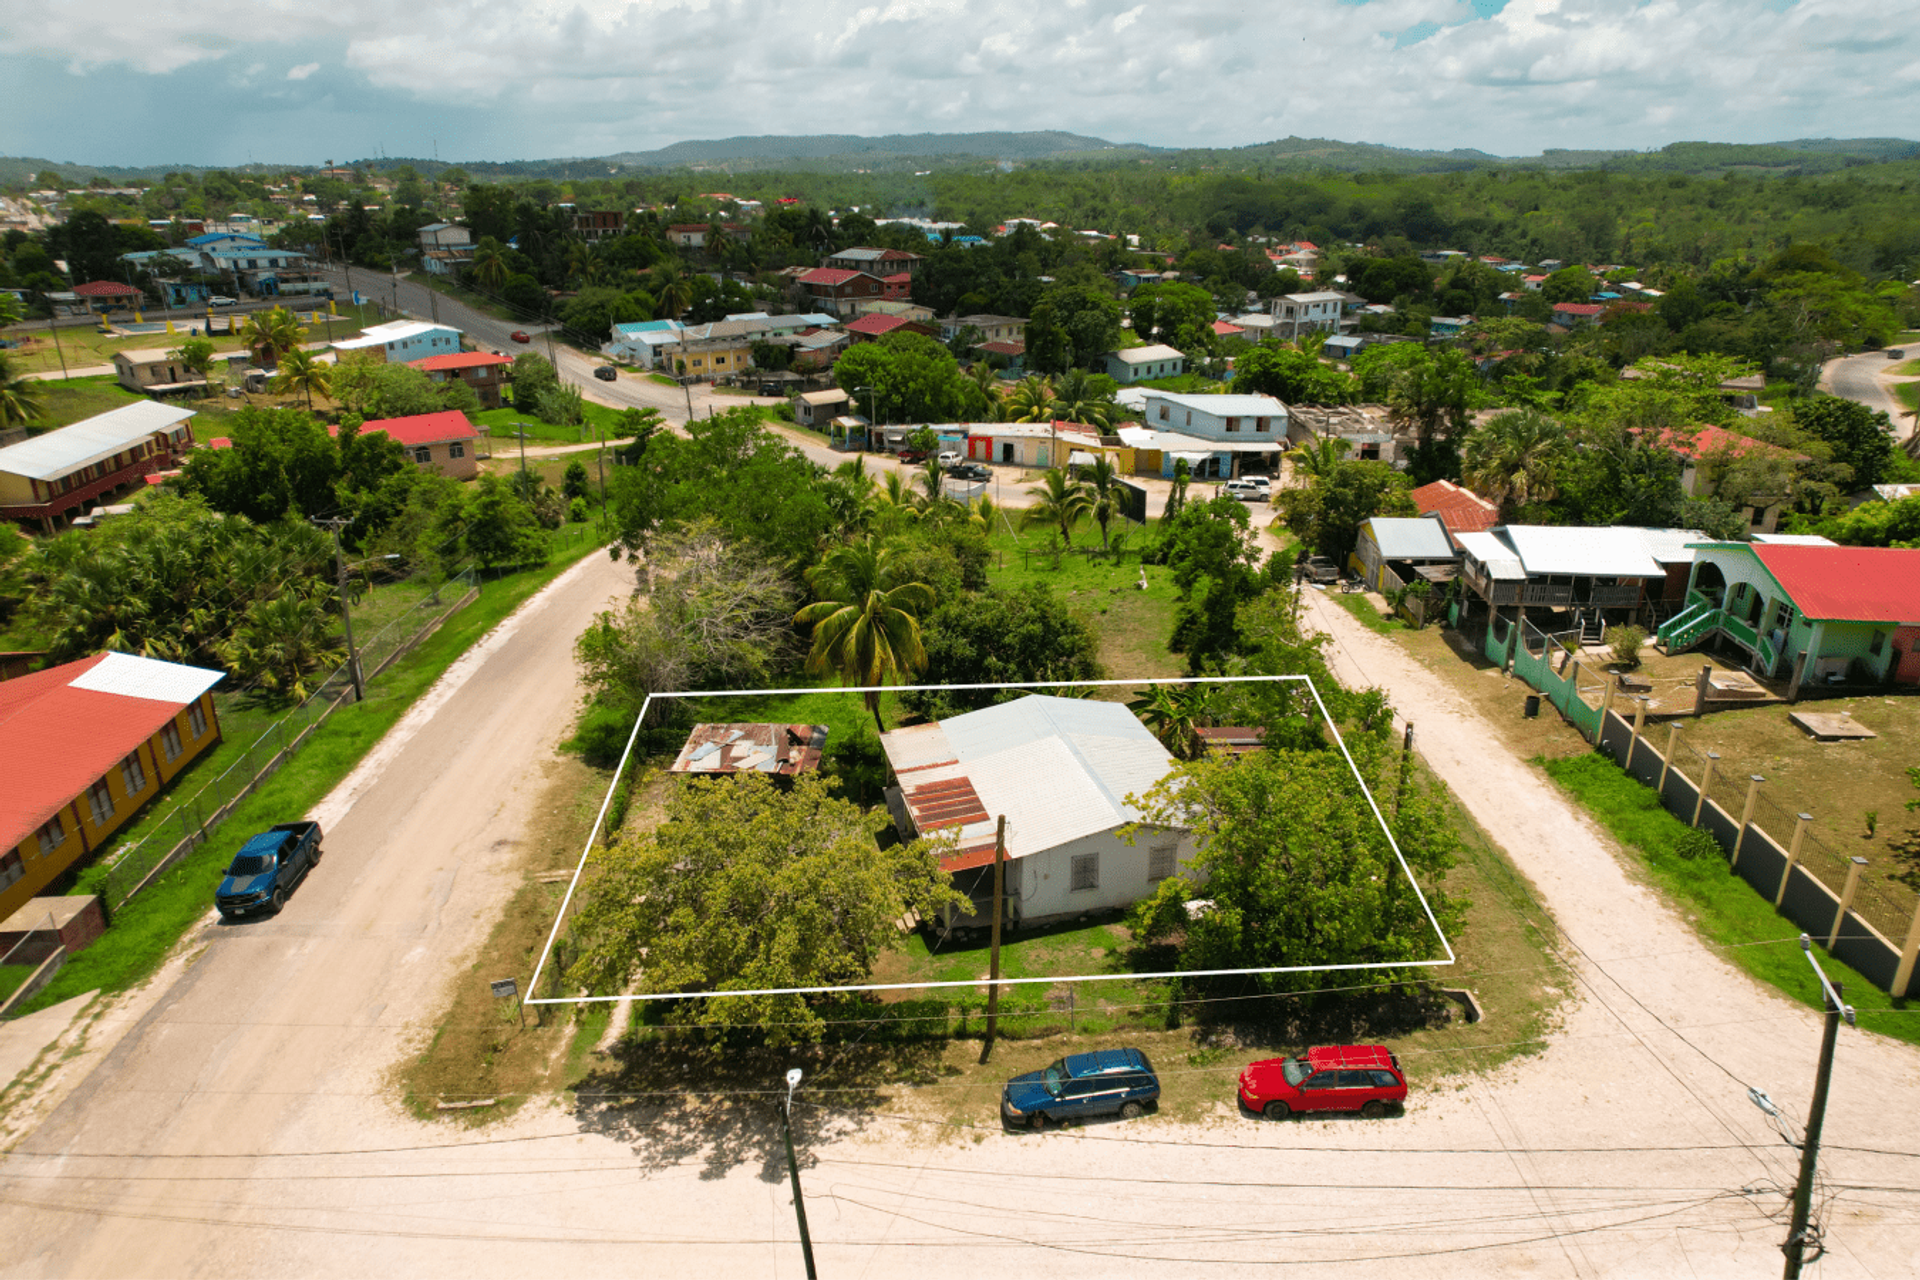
point(83, 747)
point(1576, 578)
point(991, 328)
point(1804, 612)
point(877, 262)
point(1242, 429)
point(1297, 313)
point(483, 372)
point(53, 476)
point(835, 290)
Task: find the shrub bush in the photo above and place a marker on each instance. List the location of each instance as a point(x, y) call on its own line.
point(1625, 643)
point(1695, 842)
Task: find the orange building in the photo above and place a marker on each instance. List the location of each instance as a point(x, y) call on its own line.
point(83, 746)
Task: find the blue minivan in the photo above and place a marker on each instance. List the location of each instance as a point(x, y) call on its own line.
point(1103, 1083)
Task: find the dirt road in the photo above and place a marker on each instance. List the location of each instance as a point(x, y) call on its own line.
point(243, 1125)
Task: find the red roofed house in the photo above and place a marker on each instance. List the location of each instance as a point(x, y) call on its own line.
point(1716, 446)
point(874, 326)
point(107, 295)
point(82, 747)
point(1060, 771)
point(831, 288)
point(1806, 613)
point(480, 370)
point(444, 441)
point(876, 262)
point(1576, 315)
point(1460, 510)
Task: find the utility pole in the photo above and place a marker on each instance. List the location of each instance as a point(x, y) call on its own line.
point(1406, 760)
point(793, 1172)
point(336, 524)
point(1796, 1243)
point(999, 908)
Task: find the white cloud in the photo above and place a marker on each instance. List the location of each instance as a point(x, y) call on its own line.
point(1540, 73)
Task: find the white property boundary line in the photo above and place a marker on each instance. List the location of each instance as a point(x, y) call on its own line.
point(599, 818)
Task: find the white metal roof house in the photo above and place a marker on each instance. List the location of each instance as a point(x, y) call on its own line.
point(1136, 364)
point(400, 341)
point(1061, 771)
point(1618, 567)
point(51, 476)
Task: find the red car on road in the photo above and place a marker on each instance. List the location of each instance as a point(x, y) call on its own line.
point(520, 335)
point(1349, 1077)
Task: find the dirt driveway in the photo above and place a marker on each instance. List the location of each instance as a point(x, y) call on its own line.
point(244, 1126)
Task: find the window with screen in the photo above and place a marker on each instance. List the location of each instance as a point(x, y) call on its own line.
point(1085, 871)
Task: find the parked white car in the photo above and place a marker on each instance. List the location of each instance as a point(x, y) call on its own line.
point(947, 458)
point(1250, 488)
point(218, 301)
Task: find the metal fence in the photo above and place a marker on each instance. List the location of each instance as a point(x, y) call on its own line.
point(189, 820)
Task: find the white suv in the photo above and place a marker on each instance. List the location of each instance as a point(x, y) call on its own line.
point(1250, 488)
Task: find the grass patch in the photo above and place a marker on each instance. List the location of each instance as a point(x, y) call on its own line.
point(1367, 613)
point(1721, 906)
point(1133, 625)
point(1906, 369)
point(1907, 393)
point(63, 403)
point(85, 346)
point(599, 422)
point(148, 927)
point(12, 976)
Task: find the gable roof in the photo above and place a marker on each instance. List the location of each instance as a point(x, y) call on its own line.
point(1711, 439)
point(1244, 405)
point(1847, 584)
point(1141, 355)
point(1461, 510)
point(421, 428)
point(829, 276)
point(105, 289)
point(64, 728)
point(91, 440)
point(1581, 552)
point(1058, 768)
point(875, 324)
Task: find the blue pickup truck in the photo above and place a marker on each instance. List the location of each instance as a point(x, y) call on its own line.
point(267, 868)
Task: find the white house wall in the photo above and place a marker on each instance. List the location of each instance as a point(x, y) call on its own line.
point(1046, 878)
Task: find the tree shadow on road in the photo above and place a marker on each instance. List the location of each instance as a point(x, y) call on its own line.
point(718, 1106)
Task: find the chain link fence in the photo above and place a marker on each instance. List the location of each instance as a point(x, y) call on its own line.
point(189, 820)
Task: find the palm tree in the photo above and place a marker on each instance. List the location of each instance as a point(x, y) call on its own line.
point(931, 476)
point(269, 334)
point(19, 397)
point(1103, 494)
point(1031, 400)
point(1318, 460)
point(866, 620)
point(985, 514)
point(489, 265)
point(302, 371)
point(1076, 401)
point(1513, 458)
point(1173, 713)
point(1062, 501)
point(675, 296)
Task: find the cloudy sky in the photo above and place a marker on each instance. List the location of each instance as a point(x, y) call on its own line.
point(225, 81)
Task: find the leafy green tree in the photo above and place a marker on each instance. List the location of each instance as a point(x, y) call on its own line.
point(1175, 713)
point(1087, 398)
point(197, 356)
point(370, 388)
point(1030, 400)
point(1060, 501)
point(489, 265)
point(532, 376)
point(20, 397)
point(1327, 514)
point(1569, 284)
point(747, 887)
point(1515, 459)
point(1297, 869)
point(1291, 376)
point(999, 637)
point(1071, 327)
point(1873, 524)
point(911, 378)
point(865, 620)
point(1862, 439)
point(1430, 391)
point(1180, 315)
point(495, 526)
point(282, 643)
point(281, 463)
point(574, 483)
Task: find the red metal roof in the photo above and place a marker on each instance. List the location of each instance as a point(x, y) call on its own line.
point(460, 360)
point(1578, 308)
point(899, 277)
point(875, 324)
point(968, 857)
point(1844, 584)
point(829, 276)
point(421, 428)
point(105, 289)
point(1711, 439)
point(1460, 510)
point(56, 741)
point(1003, 348)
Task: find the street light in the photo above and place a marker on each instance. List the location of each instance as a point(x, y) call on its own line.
point(793, 1171)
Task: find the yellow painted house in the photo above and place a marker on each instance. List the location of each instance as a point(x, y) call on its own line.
point(83, 746)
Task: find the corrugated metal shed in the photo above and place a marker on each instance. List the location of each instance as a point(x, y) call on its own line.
point(784, 749)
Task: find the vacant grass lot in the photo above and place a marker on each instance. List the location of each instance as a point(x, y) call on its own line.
point(502, 425)
point(85, 346)
point(1133, 625)
point(64, 402)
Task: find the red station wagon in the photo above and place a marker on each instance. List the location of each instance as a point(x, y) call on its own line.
point(1351, 1077)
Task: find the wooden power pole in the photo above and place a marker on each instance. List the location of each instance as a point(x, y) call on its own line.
point(999, 909)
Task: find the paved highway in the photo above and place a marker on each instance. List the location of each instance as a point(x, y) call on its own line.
point(1861, 379)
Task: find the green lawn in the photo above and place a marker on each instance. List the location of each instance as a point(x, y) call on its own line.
point(85, 346)
point(501, 424)
point(64, 402)
point(1133, 625)
point(146, 928)
point(1723, 908)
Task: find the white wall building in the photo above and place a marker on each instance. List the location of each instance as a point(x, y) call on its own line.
point(1298, 312)
point(400, 341)
point(1060, 770)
